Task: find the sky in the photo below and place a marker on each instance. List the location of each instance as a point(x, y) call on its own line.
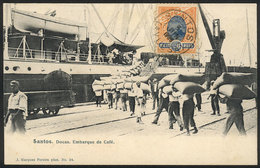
point(232, 20)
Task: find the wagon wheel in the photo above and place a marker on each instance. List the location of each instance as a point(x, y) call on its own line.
point(46, 111)
point(36, 111)
point(56, 110)
point(30, 112)
point(51, 110)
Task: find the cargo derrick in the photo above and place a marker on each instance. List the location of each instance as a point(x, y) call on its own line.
point(216, 66)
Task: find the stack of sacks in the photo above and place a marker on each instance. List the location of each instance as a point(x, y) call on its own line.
point(189, 87)
point(189, 84)
point(120, 86)
point(167, 89)
point(233, 84)
point(146, 88)
point(143, 79)
point(113, 86)
point(122, 80)
point(119, 81)
point(107, 87)
point(137, 68)
point(166, 80)
point(196, 78)
point(107, 81)
point(128, 85)
point(97, 85)
point(234, 78)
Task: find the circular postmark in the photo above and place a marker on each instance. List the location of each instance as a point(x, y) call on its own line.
point(176, 30)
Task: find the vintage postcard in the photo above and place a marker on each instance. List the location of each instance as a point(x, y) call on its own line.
point(130, 84)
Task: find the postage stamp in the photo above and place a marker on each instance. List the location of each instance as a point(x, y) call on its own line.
point(176, 29)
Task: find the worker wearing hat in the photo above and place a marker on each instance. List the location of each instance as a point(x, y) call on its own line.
point(17, 108)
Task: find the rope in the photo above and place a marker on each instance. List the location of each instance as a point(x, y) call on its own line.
point(207, 14)
point(243, 52)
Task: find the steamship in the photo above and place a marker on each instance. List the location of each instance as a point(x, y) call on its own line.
point(37, 44)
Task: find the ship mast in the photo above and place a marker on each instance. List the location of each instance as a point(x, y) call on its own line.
point(248, 41)
point(89, 60)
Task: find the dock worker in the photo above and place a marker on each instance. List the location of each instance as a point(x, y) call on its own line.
point(123, 97)
point(98, 94)
point(236, 116)
point(174, 106)
point(17, 109)
point(163, 104)
point(131, 97)
point(116, 95)
point(110, 98)
point(139, 101)
point(214, 94)
point(144, 102)
point(198, 100)
point(188, 113)
point(155, 90)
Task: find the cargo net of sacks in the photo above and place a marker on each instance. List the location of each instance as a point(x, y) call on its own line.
point(235, 85)
point(123, 80)
point(185, 83)
point(120, 84)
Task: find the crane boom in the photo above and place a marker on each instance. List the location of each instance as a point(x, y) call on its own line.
point(206, 25)
point(216, 66)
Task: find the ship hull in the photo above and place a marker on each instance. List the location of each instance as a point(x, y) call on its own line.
point(30, 75)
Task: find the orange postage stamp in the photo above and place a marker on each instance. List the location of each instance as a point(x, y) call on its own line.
point(176, 29)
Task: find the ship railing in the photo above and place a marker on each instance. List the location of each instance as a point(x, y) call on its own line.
point(44, 55)
point(100, 59)
point(29, 54)
point(52, 56)
point(180, 64)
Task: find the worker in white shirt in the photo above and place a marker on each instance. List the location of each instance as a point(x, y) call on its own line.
point(17, 109)
point(131, 97)
point(98, 94)
point(174, 106)
point(139, 101)
point(214, 100)
point(188, 113)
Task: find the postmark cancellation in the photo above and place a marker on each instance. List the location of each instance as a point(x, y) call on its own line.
point(176, 29)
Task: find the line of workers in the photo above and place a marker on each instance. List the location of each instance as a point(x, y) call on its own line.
point(171, 103)
point(18, 103)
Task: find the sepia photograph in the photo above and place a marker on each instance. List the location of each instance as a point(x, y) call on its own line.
point(130, 83)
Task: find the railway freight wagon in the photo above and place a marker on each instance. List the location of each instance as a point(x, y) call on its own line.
point(48, 95)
